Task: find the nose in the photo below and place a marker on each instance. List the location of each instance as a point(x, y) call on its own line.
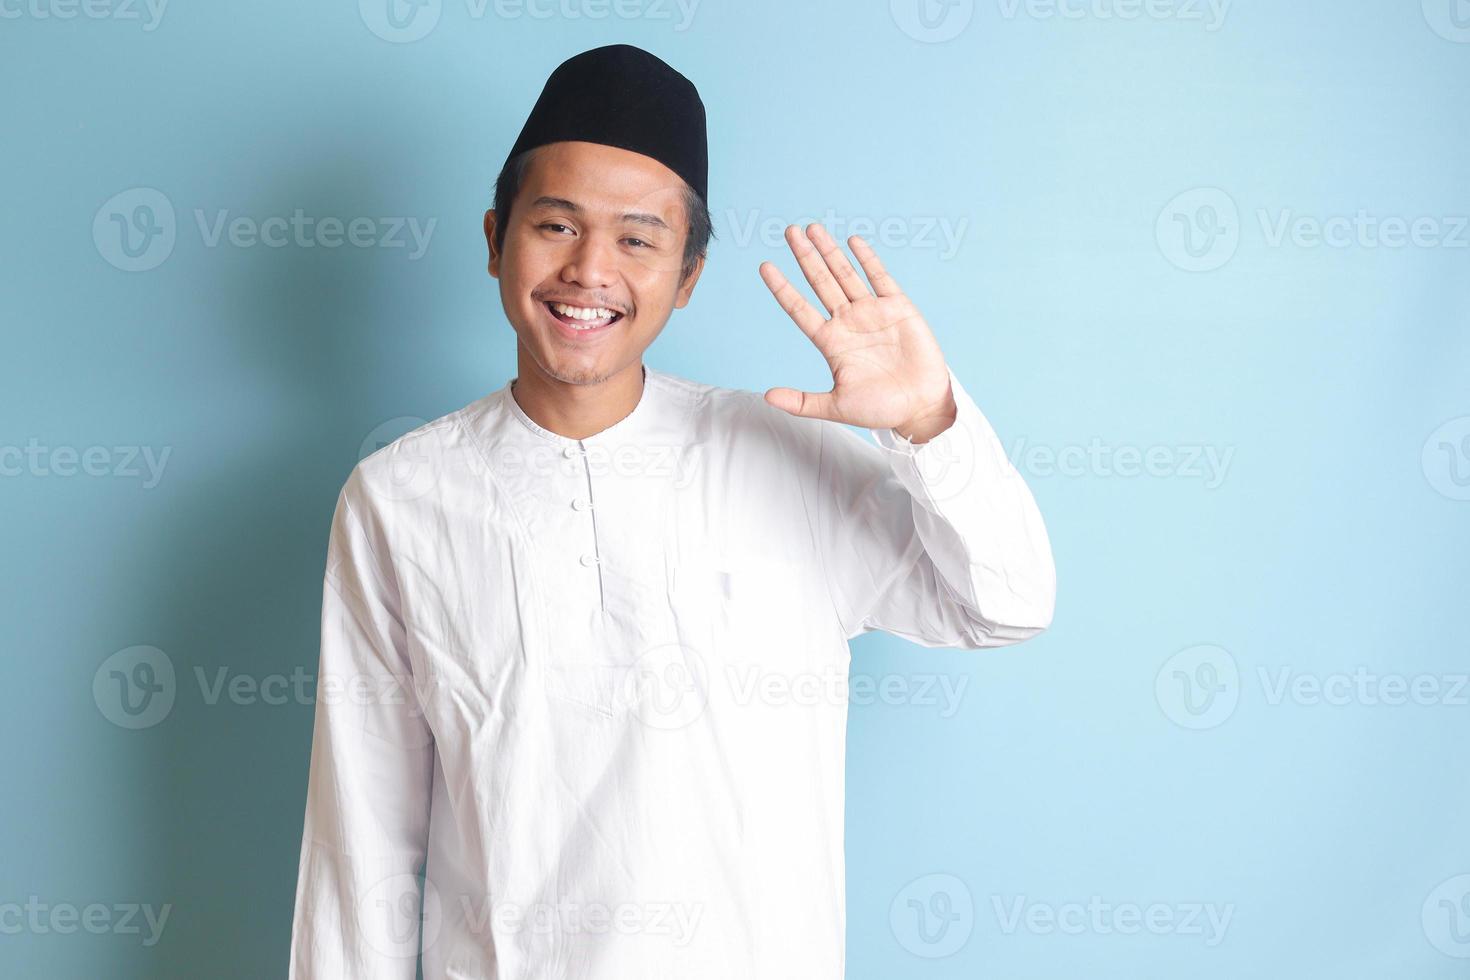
point(591, 263)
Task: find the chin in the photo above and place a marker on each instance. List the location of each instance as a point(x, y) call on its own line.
point(581, 375)
point(570, 369)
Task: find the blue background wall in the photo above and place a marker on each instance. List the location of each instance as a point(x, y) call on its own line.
point(1251, 444)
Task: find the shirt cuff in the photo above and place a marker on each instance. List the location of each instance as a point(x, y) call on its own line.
point(963, 456)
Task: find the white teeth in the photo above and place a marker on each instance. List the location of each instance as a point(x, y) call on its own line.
point(582, 312)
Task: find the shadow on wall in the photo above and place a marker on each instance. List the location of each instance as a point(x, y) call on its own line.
point(243, 558)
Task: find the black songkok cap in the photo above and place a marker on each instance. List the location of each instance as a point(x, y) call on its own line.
point(623, 96)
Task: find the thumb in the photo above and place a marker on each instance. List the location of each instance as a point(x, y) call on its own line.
point(807, 404)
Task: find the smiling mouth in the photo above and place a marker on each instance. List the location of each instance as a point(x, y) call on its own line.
point(581, 318)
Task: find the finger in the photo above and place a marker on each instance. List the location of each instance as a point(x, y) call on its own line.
point(815, 268)
point(848, 280)
point(807, 404)
point(791, 300)
point(883, 284)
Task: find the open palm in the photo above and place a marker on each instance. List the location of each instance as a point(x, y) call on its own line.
point(887, 368)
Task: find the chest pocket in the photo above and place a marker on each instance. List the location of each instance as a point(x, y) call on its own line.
point(753, 610)
point(768, 629)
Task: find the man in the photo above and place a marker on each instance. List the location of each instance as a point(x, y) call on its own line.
point(585, 641)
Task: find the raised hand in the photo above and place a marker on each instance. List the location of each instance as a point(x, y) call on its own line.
point(887, 369)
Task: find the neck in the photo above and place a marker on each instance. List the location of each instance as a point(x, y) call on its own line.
point(575, 411)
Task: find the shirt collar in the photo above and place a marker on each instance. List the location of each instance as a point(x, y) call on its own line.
point(622, 427)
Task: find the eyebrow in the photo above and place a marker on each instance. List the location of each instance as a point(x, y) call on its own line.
point(635, 217)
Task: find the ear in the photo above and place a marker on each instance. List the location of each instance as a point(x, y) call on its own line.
point(490, 243)
point(686, 288)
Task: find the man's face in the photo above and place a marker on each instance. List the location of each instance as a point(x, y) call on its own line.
point(599, 229)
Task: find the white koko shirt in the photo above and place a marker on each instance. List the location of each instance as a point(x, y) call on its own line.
point(596, 689)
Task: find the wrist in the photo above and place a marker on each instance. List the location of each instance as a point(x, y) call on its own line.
point(930, 422)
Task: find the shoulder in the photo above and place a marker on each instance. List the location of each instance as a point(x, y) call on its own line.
point(409, 466)
point(731, 411)
point(751, 431)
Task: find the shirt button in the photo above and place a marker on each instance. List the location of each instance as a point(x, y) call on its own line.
point(570, 451)
point(589, 559)
point(580, 504)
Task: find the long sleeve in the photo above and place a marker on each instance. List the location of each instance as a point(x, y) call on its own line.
point(367, 805)
point(940, 543)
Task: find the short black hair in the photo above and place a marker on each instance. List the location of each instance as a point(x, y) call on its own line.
point(513, 174)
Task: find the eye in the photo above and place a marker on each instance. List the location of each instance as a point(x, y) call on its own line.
point(639, 242)
point(553, 226)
